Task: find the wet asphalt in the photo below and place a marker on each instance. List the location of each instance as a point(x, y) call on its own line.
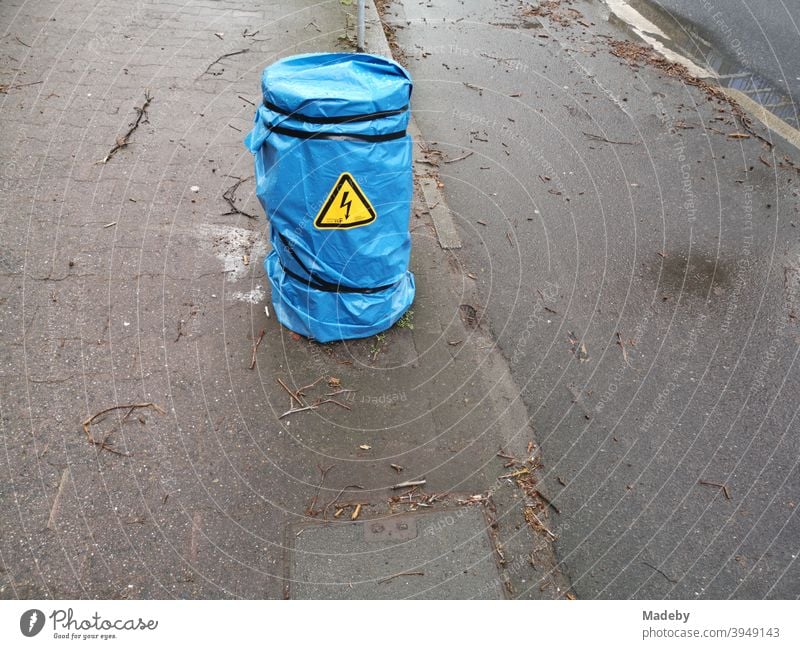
point(638, 268)
point(763, 37)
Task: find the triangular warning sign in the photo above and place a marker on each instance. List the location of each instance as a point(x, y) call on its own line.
point(346, 206)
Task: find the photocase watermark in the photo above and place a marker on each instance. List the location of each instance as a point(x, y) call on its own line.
point(549, 294)
point(67, 626)
point(384, 399)
point(31, 622)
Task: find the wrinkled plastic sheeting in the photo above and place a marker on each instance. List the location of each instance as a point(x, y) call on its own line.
point(304, 138)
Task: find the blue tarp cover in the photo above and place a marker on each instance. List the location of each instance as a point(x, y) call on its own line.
point(333, 173)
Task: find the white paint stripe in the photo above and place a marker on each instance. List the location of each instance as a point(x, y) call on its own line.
point(644, 28)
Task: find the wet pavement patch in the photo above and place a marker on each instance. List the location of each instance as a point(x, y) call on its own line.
point(681, 274)
point(438, 555)
point(687, 39)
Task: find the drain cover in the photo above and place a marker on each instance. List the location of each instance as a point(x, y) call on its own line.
point(445, 554)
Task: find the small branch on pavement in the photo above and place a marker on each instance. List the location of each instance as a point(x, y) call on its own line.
point(401, 574)
point(255, 348)
point(409, 483)
point(463, 157)
point(622, 347)
point(598, 138)
point(122, 141)
point(87, 423)
point(342, 391)
point(719, 485)
point(229, 195)
point(660, 572)
point(339, 495)
point(338, 403)
point(473, 87)
point(4, 88)
point(219, 59)
point(293, 395)
point(294, 410)
point(323, 473)
point(302, 390)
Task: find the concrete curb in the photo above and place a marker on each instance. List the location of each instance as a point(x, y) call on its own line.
point(442, 217)
point(503, 403)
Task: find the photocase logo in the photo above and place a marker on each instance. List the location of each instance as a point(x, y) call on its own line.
point(31, 622)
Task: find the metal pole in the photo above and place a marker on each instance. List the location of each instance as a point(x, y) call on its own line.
point(361, 10)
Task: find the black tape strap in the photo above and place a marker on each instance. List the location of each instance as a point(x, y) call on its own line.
point(304, 135)
point(314, 281)
point(344, 119)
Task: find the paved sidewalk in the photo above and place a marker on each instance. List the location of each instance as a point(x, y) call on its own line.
point(130, 273)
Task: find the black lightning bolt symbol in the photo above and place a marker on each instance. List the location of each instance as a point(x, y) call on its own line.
point(346, 204)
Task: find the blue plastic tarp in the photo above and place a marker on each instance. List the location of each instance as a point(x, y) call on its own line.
point(333, 174)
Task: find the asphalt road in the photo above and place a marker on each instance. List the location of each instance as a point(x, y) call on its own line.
point(763, 37)
point(638, 268)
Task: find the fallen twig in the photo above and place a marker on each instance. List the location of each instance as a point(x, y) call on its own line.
point(401, 574)
point(224, 56)
point(294, 410)
point(4, 88)
point(338, 403)
point(410, 483)
point(530, 514)
point(339, 495)
point(300, 391)
point(515, 474)
point(463, 157)
point(323, 472)
point(122, 142)
point(255, 348)
point(294, 395)
point(229, 195)
point(57, 499)
point(473, 87)
point(622, 347)
point(719, 485)
point(87, 424)
point(660, 572)
point(598, 138)
point(342, 391)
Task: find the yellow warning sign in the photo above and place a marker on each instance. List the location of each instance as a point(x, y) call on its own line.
point(346, 207)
